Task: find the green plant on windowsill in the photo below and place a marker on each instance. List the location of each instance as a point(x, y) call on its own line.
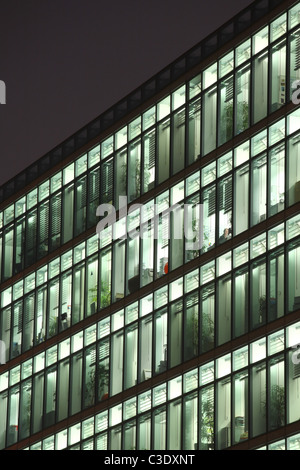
point(276, 408)
point(191, 334)
point(242, 118)
point(243, 112)
point(206, 332)
point(104, 295)
point(90, 391)
point(207, 428)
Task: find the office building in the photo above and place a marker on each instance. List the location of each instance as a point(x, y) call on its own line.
point(112, 341)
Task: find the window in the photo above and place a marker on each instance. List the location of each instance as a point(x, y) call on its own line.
point(149, 151)
point(80, 205)
point(278, 76)
point(241, 199)
point(209, 124)
point(293, 185)
point(240, 302)
point(160, 341)
point(163, 150)
point(258, 294)
point(276, 179)
point(242, 97)
point(178, 141)
point(240, 407)
point(260, 87)
point(225, 119)
point(259, 190)
point(134, 170)
point(194, 134)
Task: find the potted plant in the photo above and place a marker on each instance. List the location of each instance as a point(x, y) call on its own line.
point(206, 331)
point(103, 380)
point(104, 296)
point(191, 335)
point(207, 425)
point(276, 408)
point(243, 115)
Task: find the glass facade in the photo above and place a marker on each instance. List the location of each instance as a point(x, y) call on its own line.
point(257, 281)
point(86, 317)
point(246, 85)
point(238, 191)
point(194, 401)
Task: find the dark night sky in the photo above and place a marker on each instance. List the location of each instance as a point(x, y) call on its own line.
point(64, 62)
